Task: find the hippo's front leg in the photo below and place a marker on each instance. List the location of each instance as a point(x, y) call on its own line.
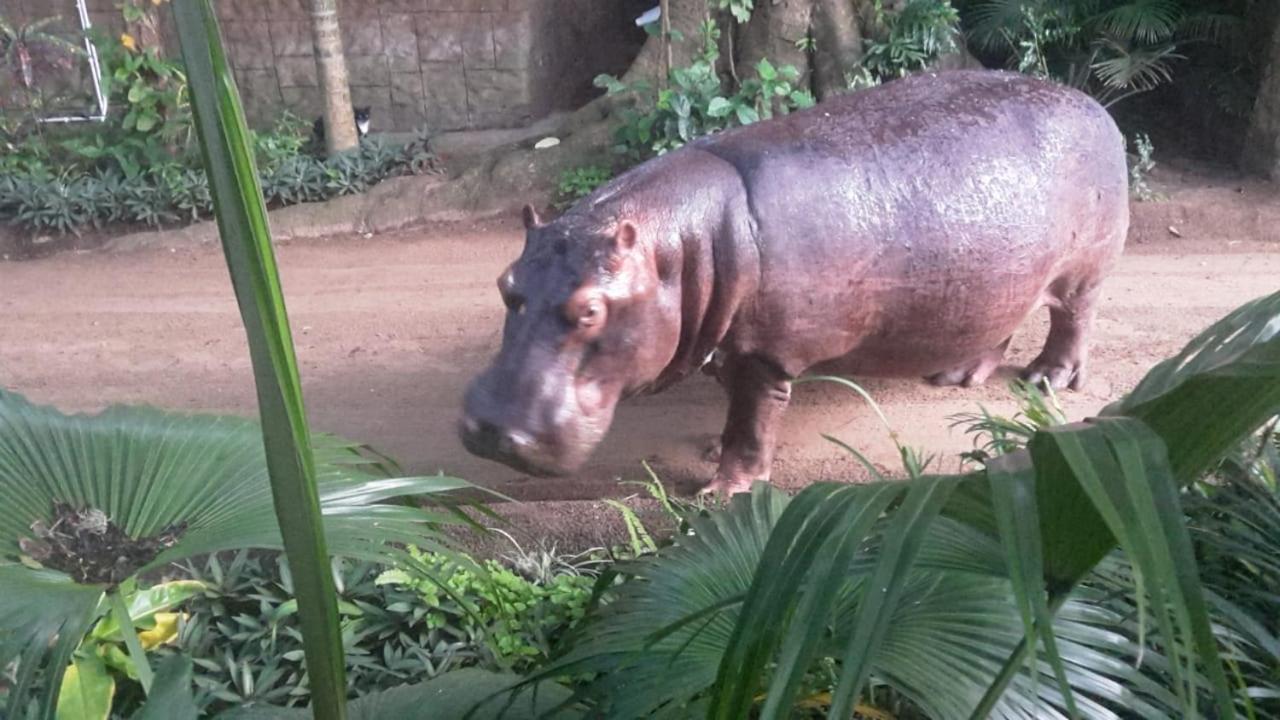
point(758, 397)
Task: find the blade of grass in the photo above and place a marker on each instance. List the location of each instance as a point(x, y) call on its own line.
point(246, 241)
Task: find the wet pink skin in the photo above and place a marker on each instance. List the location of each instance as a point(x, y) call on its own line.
point(906, 230)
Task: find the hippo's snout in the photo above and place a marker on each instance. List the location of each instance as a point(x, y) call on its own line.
point(514, 448)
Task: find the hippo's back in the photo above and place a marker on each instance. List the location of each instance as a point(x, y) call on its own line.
point(930, 215)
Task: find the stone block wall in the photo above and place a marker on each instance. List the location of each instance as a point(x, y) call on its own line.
point(443, 64)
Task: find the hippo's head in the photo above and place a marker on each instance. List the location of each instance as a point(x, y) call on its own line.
point(585, 326)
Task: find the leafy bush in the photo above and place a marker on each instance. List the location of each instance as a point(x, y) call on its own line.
point(698, 102)
point(139, 165)
point(907, 41)
point(43, 201)
point(243, 635)
point(1112, 48)
point(577, 183)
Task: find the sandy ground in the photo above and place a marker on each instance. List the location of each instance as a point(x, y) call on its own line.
point(390, 329)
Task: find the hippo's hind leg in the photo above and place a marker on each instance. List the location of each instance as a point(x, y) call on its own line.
point(1073, 305)
point(974, 372)
point(758, 397)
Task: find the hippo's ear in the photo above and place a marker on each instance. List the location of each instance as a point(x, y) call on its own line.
point(624, 238)
point(531, 218)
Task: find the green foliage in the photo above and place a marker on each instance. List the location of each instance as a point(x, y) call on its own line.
point(514, 620)
point(21, 46)
point(697, 102)
point(154, 123)
point(139, 166)
point(177, 486)
point(739, 9)
point(1141, 163)
point(577, 183)
point(1233, 515)
point(1113, 48)
point(470, 693)
point(66, 201)
point(907, 41)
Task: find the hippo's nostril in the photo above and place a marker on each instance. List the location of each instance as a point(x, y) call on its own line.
point(518, 440)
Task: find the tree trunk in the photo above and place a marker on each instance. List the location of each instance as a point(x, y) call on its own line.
point(331, 64)
point(777, 31)
point(686, 18)
point(837, 44)
point(1262, 142)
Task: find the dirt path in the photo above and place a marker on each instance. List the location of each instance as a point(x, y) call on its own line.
point(390, 329)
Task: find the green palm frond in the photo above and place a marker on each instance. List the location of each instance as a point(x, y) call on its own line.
point(657, 648)
point(1142, 21)
point(1134, 69)
point(991, 22)
point(148, 470)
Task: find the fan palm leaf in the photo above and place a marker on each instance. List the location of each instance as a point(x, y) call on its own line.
point(147, 470)
point(1143, 21)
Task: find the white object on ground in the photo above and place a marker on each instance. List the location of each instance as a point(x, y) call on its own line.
point(651, 16)
point(546, 142)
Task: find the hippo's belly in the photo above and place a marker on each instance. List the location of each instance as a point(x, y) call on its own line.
point(905, 278)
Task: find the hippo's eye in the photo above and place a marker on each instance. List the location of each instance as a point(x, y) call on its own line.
point(590, 314)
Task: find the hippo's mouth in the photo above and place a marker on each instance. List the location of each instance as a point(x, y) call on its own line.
point(515, 450)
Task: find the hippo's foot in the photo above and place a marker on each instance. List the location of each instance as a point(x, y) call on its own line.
point(729, 486)
point(1058, 374)
point(972, 373)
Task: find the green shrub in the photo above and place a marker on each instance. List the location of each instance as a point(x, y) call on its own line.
point(41, 200)
point(139, 166)
point(577, 183)
point(242, 631)
point(697, 102)
point(908, 40)
point(516, 619)
point(1116, 48)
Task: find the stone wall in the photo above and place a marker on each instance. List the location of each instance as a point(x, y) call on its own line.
point(445, 64)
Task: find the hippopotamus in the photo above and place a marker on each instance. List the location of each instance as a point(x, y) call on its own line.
point(903, 230)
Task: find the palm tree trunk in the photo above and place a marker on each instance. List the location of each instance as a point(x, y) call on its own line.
point(331, 64)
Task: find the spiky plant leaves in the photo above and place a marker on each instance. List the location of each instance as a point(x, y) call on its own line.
point(1145, 21)
point(145, 470)
point(656, 649)
point(171, 697)
point(44, 614)
point(469, 693)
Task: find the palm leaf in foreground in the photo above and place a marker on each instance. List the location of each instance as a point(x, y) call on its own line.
point(227, 148)
point(148, 470)
point(657, 649)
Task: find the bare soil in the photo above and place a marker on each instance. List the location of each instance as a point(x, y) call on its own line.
point(389, 330)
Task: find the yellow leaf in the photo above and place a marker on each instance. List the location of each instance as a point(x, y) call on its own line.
point(128, 42)
point(165, 631)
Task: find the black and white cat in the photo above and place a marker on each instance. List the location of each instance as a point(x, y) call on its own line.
point(362, 118)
